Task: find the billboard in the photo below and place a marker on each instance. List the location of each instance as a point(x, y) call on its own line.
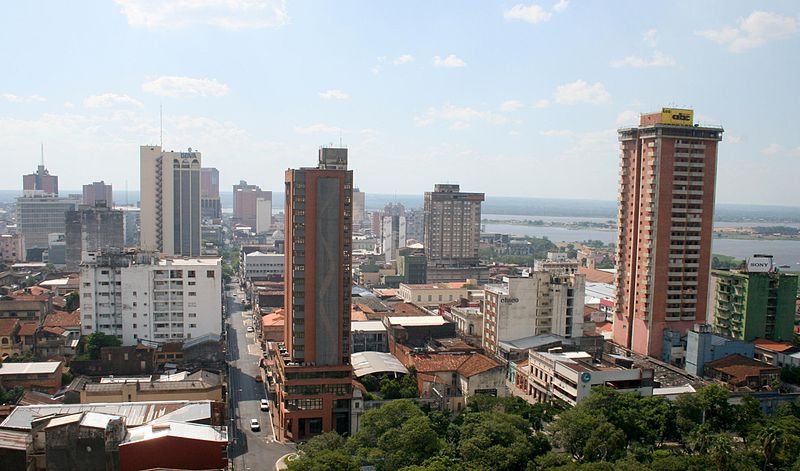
point(677, 116)
point(758, 264)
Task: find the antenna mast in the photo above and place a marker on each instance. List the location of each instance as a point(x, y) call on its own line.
point(42, 154)
point(161, 126)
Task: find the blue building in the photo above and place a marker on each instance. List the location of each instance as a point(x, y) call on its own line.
point(702, 346)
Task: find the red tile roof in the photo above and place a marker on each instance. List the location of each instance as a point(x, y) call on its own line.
point(739, 368)
point(597, 276)
point(465, 365)
point(27, 328)
point(63, 319)
point(772, 345)
point(55, 330)
point(8, 326)
point(276, 318)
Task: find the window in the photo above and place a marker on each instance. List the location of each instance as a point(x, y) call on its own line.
point(193, 325)
point(134, 326)
point(192, 293)
point(191, 274)
point(209, 273)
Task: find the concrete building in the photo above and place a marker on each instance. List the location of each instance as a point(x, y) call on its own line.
point(452, 234)
point(393, 236)
point(56, 253)
point(542, 303)
point(245, 204)
point(210, 205)
point(139, 297)
point(571, 376)
point(131, 224)
point(755, 302)
point(40, 181)
point(314, 364)
point(92, 228)
point(259, 266)
point(359, 208)
point(668, 170)
point(12, 248)
point(37, 376)
point(263, 215)
point(702, 346)
point(174, 445)
point(412, 265)
point(198, 386)
point(558, 263)
point(170, 201)
point(368, 336)
point(39, 215)
point(431, 294)
point(98, 194)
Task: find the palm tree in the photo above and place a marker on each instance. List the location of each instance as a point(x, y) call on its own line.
point(769, 437)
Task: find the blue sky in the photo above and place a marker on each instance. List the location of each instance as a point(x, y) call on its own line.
point(512, 99)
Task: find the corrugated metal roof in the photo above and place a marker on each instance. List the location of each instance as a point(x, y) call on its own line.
point(365, 363)
point(37, 367)
point(13, 440)
point(135, 413)
point(176, 429)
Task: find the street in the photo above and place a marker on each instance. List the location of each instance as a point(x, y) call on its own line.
point(248, 450)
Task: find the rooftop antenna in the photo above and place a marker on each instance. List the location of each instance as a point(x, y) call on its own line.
point(42, 154)
point(340, 139)
point(161, 126)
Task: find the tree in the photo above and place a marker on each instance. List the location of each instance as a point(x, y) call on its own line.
point(436, 463)
point(497, 441)
point(573, 429)
point(72, 301)
point(769, 438)
point(411, 444)
point(605, 443)
point(98, 340)
point(10, 396)
point(324, 451)
point(376, 423)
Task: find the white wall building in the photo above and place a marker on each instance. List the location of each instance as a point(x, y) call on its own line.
point(138, 297)
point(541, 303)
point(263, 215)
point(261, 265)
point(170, 201)
point(393, 236)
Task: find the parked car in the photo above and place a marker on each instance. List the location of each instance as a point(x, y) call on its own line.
point(259, 379)
point(249, 328)
point(264, 405)
point(254, 426)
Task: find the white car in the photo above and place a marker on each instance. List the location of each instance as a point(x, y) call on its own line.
point(254, 426)
point(264, 405)
point(249, 328)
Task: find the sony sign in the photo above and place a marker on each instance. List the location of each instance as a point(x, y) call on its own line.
point(759, 264)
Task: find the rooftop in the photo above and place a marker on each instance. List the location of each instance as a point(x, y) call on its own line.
point(467, 365)
point(63, 319)
point(8, 326)
point(773, 346)
point(739, 367)
point(416, 321)
point(38, 367)
point(193, 261)
point(450, 285)
point(365, 363)
point(176, 429)
point(367, 326)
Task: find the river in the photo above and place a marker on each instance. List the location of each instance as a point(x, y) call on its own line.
point(785, 252)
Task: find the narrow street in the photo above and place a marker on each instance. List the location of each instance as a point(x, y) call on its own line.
point(249, 450)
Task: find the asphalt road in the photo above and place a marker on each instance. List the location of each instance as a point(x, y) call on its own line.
point(249, 450)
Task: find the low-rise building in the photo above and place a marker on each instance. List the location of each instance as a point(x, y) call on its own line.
point(776, 353)
point(368, 336)
point(570, 376)
point(738, 371)
point(12, 248)
point(198, 386)
point(174, 445)
point(433, 294)
point(38, 376)
point(263, 266)
point(272, 326)
point(702, 347)
point(9, 337)
point(457, 377)
point(468, 321)
point(415, 331)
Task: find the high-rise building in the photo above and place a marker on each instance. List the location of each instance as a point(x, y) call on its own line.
point(40, 214)
point(40, 180)
point(393, 236)
point(755, 302)
point(263, 215)
point(452, 234)
point(170, 206)
point(314, 367)
point(98, 194)
point(245, 204)
point(359, 208)
point(139, 296)
point(210, 205)
point(666, 208)
point(90, 229)
point(12, 248)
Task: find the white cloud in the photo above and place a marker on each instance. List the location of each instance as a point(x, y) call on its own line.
point(320, 128)
point(11, 98)
point(174, 86)
point(451, 60)
point(733, 138)
point(659, 59)
point(459, 117)
point(557, 133)
point(107, 100)
point(543, 103)
point(756, 30)
point(226, 14)
point(628, 117)
point(534, 13)
point(650, 37)
point(781, 151)
point(581, 92)
point(404, 59)
point(510, 105)
point(334, 95)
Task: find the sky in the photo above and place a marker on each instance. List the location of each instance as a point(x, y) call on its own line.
point(506, 98)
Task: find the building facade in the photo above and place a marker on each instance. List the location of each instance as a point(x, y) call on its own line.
point(92, 228)
point(210, 205)
point(12, 248)
point(393, 236)
point(750, 305)
point(541, 303)
point(39, 215)
point(452, 234)
point(40, 180)
point(314, 366)
point(140, 297)
point(98, 194)
point(668, 170)
point(245, 204)
point(170, 201)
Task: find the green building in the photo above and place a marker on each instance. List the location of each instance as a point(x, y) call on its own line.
point(750, 305)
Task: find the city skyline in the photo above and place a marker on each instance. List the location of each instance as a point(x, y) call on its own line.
point(440, 93)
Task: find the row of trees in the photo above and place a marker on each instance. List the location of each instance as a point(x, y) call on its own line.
point(607, 431)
